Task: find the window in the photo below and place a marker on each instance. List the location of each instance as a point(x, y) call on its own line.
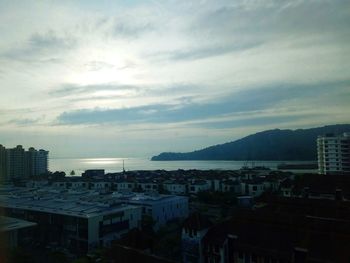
point(255, 188)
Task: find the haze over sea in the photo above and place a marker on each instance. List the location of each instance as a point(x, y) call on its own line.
point(116, 164)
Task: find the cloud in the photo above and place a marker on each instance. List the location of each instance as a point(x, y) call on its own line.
point(41, 47)
point(126, 26)
point(277, 120)
point(24, 122)
point(206, 52)
point(252, 19)
point(73, 89)
point(124, 29)
point(99, 116)
point(238, 102)
point(198, 70)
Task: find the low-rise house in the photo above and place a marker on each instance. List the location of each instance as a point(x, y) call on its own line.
point(317, 187)
point(147, 186)
point(253, 187)
point(284, 230)
point(232, 186)
point(94, 174)
point(194, 229)
point(78, 184)
point(198, 186)
point(271, 184)
point(162, 208)
point(62, 184)
point(175, 187)
point(100, 185)
point(124, 185)
point(216, 184)
point(37, 183)
point(286, 187)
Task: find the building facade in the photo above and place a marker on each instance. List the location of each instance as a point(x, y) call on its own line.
point(17, 163)
point(333, 152)
point(162, 208)
point(3, 163)
point(79, 221)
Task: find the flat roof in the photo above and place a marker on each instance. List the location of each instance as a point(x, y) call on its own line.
point(84, 205)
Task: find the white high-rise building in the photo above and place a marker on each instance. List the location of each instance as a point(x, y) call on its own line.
point(333, 152)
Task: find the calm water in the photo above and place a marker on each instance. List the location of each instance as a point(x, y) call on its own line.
point(116, 164)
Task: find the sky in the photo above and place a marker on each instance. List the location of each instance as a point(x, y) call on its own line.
point(136, 78)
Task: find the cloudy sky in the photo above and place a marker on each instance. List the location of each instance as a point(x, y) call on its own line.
point(135, 78)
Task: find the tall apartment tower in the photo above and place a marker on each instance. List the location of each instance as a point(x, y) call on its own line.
point(16, 163)
point(36, 162)
point(41, 162)
point(3, 163)
point(333, 152)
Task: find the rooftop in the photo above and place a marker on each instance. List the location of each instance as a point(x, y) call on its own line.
point(83, 204)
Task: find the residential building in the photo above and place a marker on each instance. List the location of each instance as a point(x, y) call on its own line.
point(198, 186)
point(11, 230)
point(147, 186)
point(41, 162)
point(94, 173)
point(80, 221)
point(124, 185)
point(314, 186)
point(253, 187)
point(100, 185)
point(175, 187)
point(16, 163)
point(281, 230)
point(333, 152)
point(3, 163)
point(162, 208)
point(231, 186)
point(194, 230)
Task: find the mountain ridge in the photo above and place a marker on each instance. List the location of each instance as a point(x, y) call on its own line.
point(274, 144)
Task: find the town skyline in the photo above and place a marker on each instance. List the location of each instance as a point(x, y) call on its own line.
point(138, 78)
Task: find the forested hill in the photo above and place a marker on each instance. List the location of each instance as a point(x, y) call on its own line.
point(267, 145)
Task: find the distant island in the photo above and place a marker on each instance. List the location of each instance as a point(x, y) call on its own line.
point(276, 145)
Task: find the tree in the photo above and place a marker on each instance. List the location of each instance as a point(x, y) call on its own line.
point(72, 173)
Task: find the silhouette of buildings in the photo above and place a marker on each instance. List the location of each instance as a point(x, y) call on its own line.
point(281, 230)
point(16, 163)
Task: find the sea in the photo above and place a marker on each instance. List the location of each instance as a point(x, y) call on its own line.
point(79, 165)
